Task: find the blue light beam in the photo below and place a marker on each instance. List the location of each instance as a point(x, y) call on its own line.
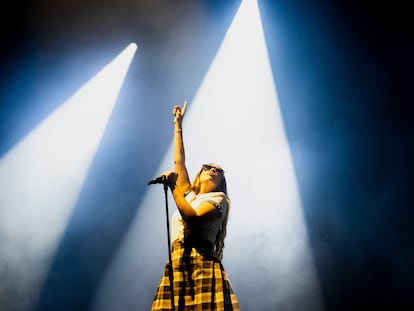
point(41, 177)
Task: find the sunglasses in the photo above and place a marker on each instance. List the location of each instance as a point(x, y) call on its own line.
point(207, 167)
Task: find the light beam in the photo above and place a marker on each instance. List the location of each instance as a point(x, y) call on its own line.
point(41, 177)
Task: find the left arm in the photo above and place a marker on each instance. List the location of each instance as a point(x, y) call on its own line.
point(185, 208)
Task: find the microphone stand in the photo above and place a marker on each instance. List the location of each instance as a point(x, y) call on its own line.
point(170, 266)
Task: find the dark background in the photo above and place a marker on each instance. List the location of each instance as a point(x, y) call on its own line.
point(343, 73)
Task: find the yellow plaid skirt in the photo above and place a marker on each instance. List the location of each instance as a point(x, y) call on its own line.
point(199, 283)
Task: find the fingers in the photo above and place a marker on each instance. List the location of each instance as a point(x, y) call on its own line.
point(179, 112)
point(170, 178)
point(168, 174)
point(184, 108)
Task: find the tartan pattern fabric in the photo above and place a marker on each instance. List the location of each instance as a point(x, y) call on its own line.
point(200, 284)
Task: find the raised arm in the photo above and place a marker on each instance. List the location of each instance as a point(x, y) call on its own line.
point(183, 181)
point(179, 180)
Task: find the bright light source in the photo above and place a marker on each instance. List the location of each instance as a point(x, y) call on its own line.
point(234, 120)
point(41, 177)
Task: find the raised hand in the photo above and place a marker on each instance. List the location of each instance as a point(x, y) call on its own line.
point(179, 112)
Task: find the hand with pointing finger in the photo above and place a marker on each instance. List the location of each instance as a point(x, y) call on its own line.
point(179, 112)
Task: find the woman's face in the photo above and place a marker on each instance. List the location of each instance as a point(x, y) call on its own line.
point(212, 176)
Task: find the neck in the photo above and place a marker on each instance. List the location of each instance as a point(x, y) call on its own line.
point(206, 187)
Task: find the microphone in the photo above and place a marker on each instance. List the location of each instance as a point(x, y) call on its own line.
point(159, 180)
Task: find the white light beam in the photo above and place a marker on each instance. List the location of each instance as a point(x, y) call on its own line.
point(41, 177)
